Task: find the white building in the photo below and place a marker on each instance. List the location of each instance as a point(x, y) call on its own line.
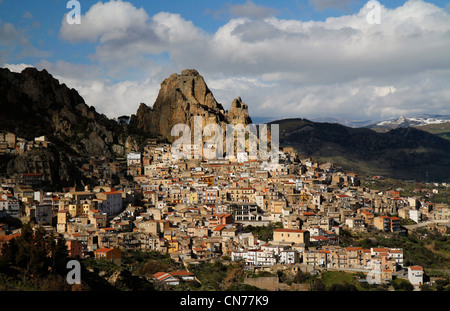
point(9, 205)
point(415, 275)
point(397, 255)
point(110, 202)
point(133, 158)
point(355, 222)
point(255, 257)
point(259, 200)
point(242, 157)
point(268, 255)
point(415, 215)
point(288, 257)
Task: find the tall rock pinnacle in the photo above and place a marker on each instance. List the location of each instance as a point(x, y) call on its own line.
point(181, 98)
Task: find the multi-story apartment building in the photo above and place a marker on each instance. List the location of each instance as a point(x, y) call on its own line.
point(110, 202)
point(382, 223)
point(9, 205)
point(244, 195)
point(294, 236)
point(245, 212)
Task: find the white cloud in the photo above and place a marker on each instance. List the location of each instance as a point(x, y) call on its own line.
point(16, 67)
point(113, 98)
point(383, 91)
point(342, 65)
point(105, 21)
point(9, 34)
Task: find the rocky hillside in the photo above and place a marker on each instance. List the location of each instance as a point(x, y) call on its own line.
point(181, 98)
point(33, 103)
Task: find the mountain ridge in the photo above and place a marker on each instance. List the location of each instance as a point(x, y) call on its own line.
point(406, 153)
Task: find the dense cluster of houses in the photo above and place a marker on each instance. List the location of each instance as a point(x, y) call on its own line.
point(11, 144)
point(196, 210)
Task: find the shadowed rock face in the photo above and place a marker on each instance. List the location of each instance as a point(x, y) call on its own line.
point(33, 103)
point(181, 98)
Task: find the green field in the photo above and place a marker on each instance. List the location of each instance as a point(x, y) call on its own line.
point(441, 130)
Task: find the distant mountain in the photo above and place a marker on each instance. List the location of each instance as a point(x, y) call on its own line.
point(414, 121)
point(262, 120)
point(343, 121)
point(406, 153)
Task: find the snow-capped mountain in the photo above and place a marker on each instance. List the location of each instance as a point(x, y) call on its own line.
point(343, 121)
point(414, 121)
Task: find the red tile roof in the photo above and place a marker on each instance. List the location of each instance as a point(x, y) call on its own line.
point(289, 230)
point(416, 268)
point(181, 273)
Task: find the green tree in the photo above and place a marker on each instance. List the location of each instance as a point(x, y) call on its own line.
point(58, 253)
point(24, 243)
point(342, 287)
point(317, 285)
point(301, 277)
point(37, 253)
point(9, 252)
point(402, 285)
point(38, 261)
point(440, 284)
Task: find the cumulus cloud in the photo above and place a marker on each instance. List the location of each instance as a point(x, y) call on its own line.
point(341, 66)
point(17, 67)
point(109, 96)
point(105, 21)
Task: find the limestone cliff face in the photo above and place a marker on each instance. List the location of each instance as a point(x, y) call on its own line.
point(238, 113)
point(181, 98)
point(33, 103)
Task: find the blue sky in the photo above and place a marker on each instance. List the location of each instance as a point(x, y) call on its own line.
point(311, 58)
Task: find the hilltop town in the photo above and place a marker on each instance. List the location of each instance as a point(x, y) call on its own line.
point(118, 198)
point(199, 211)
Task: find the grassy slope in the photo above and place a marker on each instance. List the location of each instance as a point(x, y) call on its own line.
point(441, 130)
point(401, 153)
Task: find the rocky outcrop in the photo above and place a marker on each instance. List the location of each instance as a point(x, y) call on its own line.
point(238, 113)
point(33, 103)
point(181, 98)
